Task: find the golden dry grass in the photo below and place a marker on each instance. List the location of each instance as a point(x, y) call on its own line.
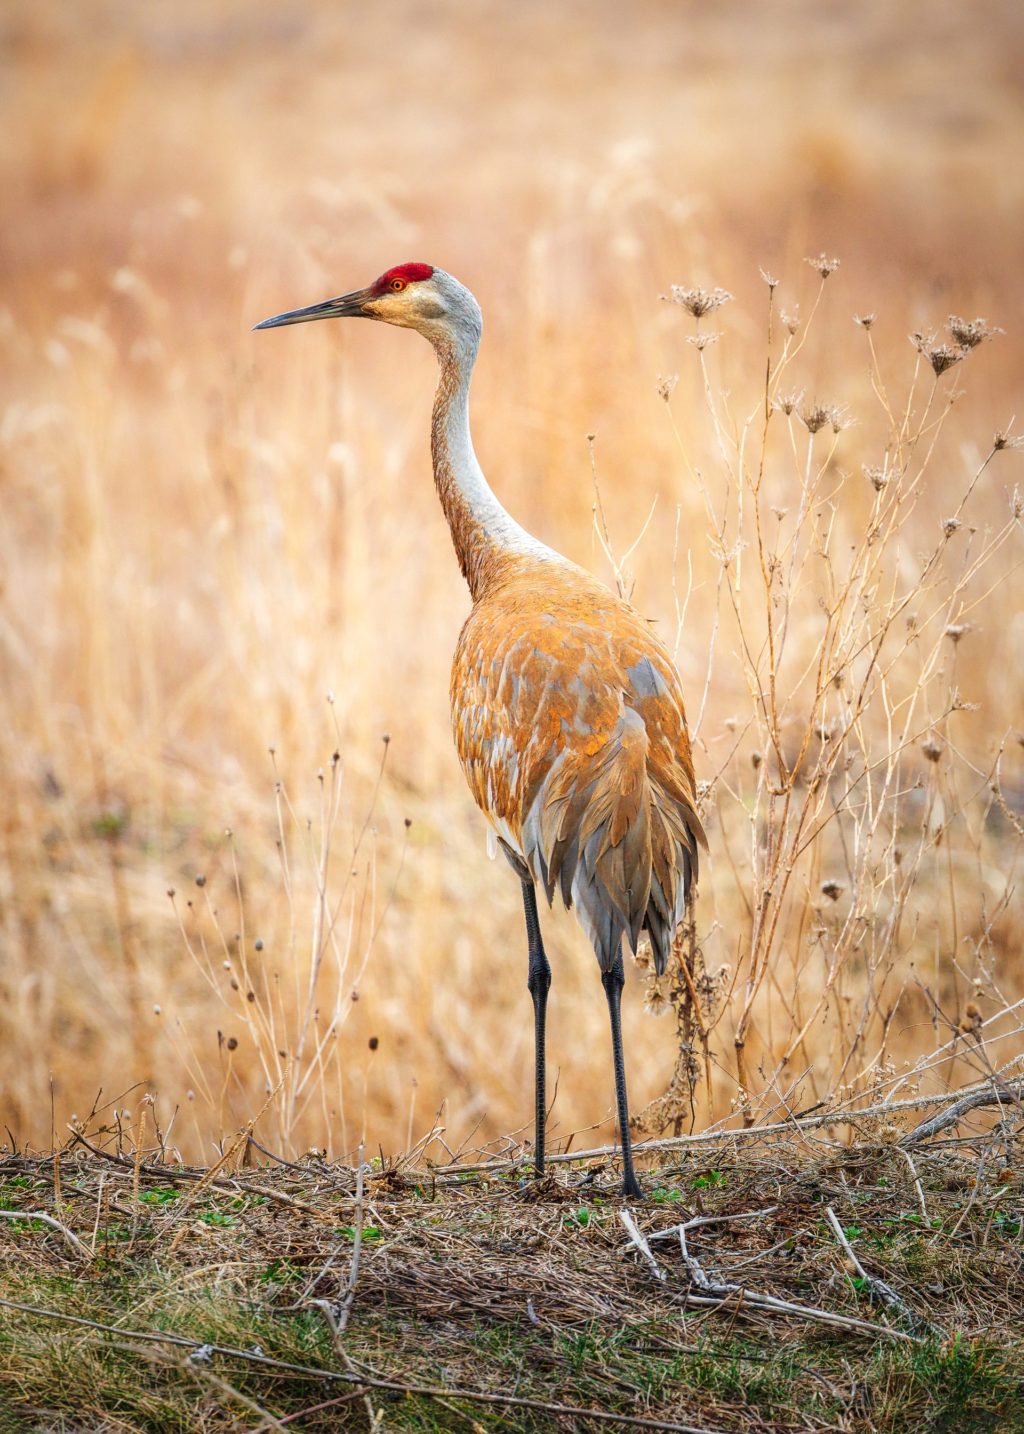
point(206, 532)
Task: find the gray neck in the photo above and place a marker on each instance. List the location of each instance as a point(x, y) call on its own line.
point(482, 530)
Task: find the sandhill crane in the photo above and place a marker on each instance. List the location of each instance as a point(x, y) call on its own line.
point(567, 710)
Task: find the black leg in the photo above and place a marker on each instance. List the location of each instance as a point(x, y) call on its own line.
point(539, 982)
point(613, 981)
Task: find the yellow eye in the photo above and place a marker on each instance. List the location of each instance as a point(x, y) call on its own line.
point(397, 285)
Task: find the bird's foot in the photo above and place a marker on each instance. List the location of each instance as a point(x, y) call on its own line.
point(631, 1187)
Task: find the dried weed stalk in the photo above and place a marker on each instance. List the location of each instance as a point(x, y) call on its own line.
point(852, 884)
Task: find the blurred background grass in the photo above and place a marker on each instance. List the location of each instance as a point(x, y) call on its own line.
point(205, 532)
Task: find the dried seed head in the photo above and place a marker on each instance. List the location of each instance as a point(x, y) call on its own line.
point(956, 630)
point(701, 341)
point(373, 1042)
point(865, 320)
point(943, 357)
point(699, 302)
point(878, 477)
point(790, 319)
point(769, 279)
point(656, 1002)
point(787, 403)
point(756, 758)
point(832, 889)
point(950, 525)
point(816, 415)
point(666, 385)
point(232, 1043)
point(931, 749)
point(969, 333)
point(823, 265)
point(1005, 440)
point(940, 356)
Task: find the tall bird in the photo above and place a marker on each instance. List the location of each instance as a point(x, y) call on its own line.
point(566, 708)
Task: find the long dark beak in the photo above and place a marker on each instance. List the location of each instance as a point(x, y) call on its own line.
point(346, 306)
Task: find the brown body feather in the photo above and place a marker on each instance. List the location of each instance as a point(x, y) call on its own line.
point(570, 727)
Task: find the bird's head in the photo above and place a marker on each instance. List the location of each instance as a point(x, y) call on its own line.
point(414, 296)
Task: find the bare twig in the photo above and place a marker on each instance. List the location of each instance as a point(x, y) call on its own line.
point(876, 1286)
point(337, 1314)
point(715, 1292)
point(632, 1230)
point(1006, 1092)
point(345, 1306)
point(235, 1185)
point(428, 1391)
point(838, 1116)
point(917, 1181)
point(69, 1235)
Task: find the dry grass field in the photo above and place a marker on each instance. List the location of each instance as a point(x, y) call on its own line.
point(753, 352)
point(229, 601)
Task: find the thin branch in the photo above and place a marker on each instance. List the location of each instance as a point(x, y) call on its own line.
point(876, 1286)
point(974, 1100)
point(72, 1239)
point(428, 1391)
point(637, 1238)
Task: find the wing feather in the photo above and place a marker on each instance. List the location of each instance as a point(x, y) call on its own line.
point(571, 730)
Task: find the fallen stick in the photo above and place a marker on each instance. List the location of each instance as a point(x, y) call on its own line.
point(221, 1182)
point(878, 1287)
point(428, 1391)
point(716, 1293)
point(69, 1235)
point(990, 1094)
point(1013, 1090)
point(633, 1231)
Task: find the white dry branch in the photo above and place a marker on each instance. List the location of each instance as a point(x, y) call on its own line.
point(41, 1215)
point(715, 1292)
point(953, 1106)
point(878, 1287)
point(637, 1238)
point(998, 1093)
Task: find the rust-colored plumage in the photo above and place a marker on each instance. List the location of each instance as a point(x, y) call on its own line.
point(570, 728)
point(567, 710)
